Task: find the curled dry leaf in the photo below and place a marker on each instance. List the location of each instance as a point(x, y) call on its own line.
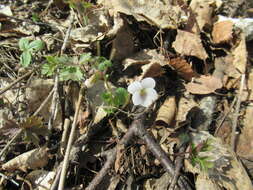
point(150, 62)
point(36, 158)
point(222, 32)
point(183, 68)
point(189, 44)
point(167, 111)
point(204, 85)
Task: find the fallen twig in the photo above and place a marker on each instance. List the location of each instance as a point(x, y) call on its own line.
point(236, 114)
point(112, 156)
point(160, 155)
point(17, 80)
point(70, 141)
point(179, 164)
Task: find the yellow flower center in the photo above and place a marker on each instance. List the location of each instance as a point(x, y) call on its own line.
point(143, 92)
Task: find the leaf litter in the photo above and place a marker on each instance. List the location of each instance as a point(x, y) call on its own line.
point(68, 122)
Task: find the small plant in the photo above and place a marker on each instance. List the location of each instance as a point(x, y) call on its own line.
point(32, 127)
point(29, 48)
point(82, 8)
point(202, 161)
point(115, 99)
point(68, 67)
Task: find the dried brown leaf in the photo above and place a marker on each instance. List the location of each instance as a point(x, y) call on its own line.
point(189, 44)
point(205, 9)
point(222, 32)
point(204, 85)
point(155, 12)
point(167, 112)
point(240, 55)
point(36, 158)
point(183, 68)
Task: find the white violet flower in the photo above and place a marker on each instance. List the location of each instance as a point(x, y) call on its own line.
point(143, 92)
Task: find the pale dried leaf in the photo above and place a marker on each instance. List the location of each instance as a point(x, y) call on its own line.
point(222, 32)
point(245, 139)
point(167, 111)
point(36, 158)
point(203, 182)
point(41, 179)
point(98, 25)
point(204, 85)
point(149, 61)
point(155, 12)
point(240, 55)
point(185, 104)
point(204, 10)
point(189, 44)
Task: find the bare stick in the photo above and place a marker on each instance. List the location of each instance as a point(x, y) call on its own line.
point(237, 109)
point(160, 155)
point(112, 156)
point(224, 117)
point(54, 103)
point(64, 135)
point(11, 141)
point(43, 103)
point(70, 142)
point(20, 131)
point(179, 164)
point(16, 81)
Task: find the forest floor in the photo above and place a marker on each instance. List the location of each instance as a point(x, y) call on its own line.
point(124, 94)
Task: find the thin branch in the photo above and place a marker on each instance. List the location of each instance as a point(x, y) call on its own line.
point(54, 103)
point(179, 165)
point(18, 134)
point(70, 142)
point(160, 155)
point(224, 117)
point(112, 156)
point(236, 114)
point(16, 81)
point(43, 103)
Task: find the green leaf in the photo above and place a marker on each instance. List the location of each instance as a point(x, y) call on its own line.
point(184, 138)
point(107, 97)
point(36, 45)
point(25, 58)
point(48, 69)
point(71, 73)
point(85, 58)
point(35, 17)
point(121, 97)
point(23, 44)
point(104, 64)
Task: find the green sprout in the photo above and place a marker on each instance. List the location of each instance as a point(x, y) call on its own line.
point(67, 67)
point(202, 161)
point(115, 99)
point(29, 48)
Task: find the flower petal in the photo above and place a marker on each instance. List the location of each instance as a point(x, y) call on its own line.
point(150, 97)
point(137, 99)
point(152, 94)
point(148, 83)
point(134, 87)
